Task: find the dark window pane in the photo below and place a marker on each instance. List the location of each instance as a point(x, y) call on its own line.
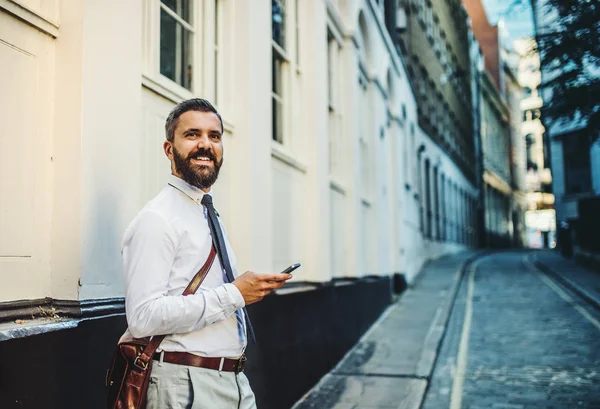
point(168, 46)
point(181, 7)
point(277, 121)
point(278, 20)
point(175, 51)
point(186, 59)
point(277, 74)
point(576, 156)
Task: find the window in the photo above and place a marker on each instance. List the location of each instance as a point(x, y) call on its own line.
point(576, 156)
point(529, 142)
point(429, 21)
point(331, 58)
point(436, 35)
point(333, 87)
point(279, 60)
point(436, 202)
point(444, 54)
point(443, 204)
point(421, 11)
point(176, 41)
point(428, 198)
point(531, 114)
point(432, 103)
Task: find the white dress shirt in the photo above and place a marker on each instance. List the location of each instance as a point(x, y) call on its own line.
point(163, 248)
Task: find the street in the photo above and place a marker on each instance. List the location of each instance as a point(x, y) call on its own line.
point(516, 337)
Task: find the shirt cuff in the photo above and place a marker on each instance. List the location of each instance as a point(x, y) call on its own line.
point(236, 296)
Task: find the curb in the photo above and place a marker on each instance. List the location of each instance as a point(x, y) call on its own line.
point(431, 344)
point(570, 284)
point(442, 319)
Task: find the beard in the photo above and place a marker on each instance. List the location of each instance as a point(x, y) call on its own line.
point(201, 176)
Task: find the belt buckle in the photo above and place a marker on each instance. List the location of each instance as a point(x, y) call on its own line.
point(239, 366)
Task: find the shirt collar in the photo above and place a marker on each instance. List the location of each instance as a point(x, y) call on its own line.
point(196, 194)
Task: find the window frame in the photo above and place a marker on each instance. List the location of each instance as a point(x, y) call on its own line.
point(209, 39)
point(288, 56)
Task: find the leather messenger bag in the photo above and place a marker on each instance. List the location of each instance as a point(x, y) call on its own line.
point(128, 376)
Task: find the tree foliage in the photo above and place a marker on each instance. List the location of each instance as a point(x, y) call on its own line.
point(567, 34)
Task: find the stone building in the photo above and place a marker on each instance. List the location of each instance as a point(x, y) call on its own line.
point(495, 132)
point(434, 38)
point(538, 178)
point(347, 148)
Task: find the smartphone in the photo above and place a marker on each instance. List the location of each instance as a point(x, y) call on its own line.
point(290, 268)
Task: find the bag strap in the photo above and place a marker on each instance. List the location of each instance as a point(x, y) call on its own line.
point(144, 358)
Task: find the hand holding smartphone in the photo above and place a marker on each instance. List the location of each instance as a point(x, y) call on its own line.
point(288, 271)
point(290, 268)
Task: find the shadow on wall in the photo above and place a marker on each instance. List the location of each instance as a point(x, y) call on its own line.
point(102, 272)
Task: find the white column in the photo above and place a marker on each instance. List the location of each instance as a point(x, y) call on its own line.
point(250, 152)
point(110, 139)
point(313, 143)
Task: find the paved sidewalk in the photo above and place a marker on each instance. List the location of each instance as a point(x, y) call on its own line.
point(580, 279)
point(391, 365)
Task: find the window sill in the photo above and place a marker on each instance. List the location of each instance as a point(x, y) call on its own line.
point(338, 187)
point(166, 89)
point(279, 152)
point(32, 18)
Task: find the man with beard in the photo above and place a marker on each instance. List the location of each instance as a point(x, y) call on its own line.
point(199, 362)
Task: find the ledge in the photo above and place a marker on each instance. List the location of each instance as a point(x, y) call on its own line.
point(30, 17)
point(24, 318)
point(278, 152)
point(169, 92)
point(15, 330)
point(43, 308)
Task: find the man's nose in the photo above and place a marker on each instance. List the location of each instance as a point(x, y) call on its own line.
point(204, 141)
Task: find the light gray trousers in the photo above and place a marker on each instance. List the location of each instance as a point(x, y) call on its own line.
point(186, 387)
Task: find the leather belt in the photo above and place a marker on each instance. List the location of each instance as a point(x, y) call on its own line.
point(218, 364)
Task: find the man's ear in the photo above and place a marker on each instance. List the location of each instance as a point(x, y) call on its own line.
point(168, 148)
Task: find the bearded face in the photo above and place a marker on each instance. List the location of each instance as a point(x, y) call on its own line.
point(196, 151)
point(199, 168)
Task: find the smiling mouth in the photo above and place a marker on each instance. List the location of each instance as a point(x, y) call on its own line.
point(202, 160)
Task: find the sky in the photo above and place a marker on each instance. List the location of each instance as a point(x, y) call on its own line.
point(518, 21)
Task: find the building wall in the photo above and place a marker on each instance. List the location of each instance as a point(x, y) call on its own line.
point(436, 45)
point(565, 145)
point(517, 149)
point(487, 36)
point(495, 139)
point(342, 190)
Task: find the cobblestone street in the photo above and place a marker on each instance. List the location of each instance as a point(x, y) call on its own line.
point(511, 330)
point(517, 339)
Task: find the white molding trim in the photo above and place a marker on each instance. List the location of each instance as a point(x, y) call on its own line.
point(167, 91)
point(338, 187)
point(279, 152)
point(30, 17)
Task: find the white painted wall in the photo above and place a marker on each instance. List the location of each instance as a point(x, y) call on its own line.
point(94, 155)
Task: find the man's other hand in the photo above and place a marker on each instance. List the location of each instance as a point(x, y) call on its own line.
point(255, 286)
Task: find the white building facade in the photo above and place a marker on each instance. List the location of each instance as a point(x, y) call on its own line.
point(541, 224)
point(324, 159)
